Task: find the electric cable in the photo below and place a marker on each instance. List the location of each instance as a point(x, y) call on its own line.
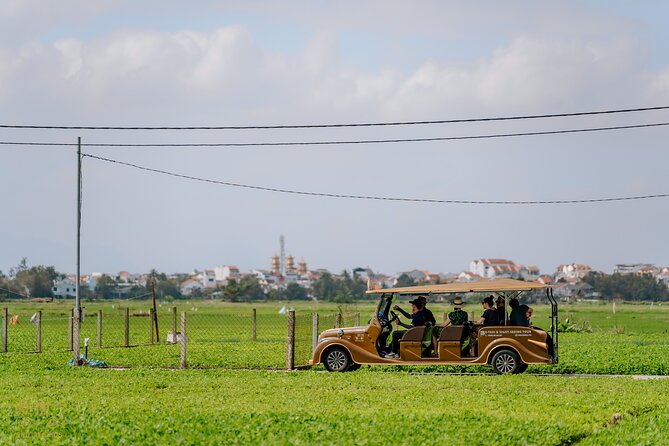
point(342, 142)
point(359, 124)
point(371, 197)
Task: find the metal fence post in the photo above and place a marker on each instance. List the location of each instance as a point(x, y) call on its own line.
point(183, 340)
point(174, 325)
point(357, 319)
point(150, 325)
point(99, 328)
point(314, 332)
point(254, 324)
point(4, 330)
point(70, 337)
point(38, 347)
point(290, 348)
point(126, 333)
point(76, 336)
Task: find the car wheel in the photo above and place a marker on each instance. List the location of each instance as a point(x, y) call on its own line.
point(505, 362)
point(337, 360)
point(521, 368)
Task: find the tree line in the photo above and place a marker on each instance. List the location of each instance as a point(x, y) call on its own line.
point(628, 286)
point(23, 281)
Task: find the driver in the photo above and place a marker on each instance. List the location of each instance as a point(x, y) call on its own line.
point(429, 317)
point(418, 319)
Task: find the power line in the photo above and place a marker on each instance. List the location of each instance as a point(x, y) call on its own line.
point(371, 197)
point(342, 142)
point(360, 124)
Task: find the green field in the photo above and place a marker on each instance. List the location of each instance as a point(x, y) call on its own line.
point(44, 401)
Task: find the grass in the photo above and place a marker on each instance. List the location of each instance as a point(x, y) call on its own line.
point(45, 402)
point(140, 406)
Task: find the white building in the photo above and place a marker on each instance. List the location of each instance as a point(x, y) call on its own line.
point(495, 268)
point(636, 268)
point(224, 273)
point(189, 285)
point(64, 287)
point(572, 271)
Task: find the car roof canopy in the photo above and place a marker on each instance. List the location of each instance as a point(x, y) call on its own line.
point(482, 286)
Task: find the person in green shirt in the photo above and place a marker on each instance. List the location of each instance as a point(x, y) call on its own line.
point(455, 317)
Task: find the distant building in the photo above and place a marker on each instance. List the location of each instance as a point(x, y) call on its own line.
point(495, 268)
point(191, 284)
point(572, 271)
point(65, 287)
point(546, 280)
point(636, 268)
point(569, 291)
point(468, 276)
point(224, 273)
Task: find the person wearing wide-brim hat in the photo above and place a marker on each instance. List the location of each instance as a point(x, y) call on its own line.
point(455, 317)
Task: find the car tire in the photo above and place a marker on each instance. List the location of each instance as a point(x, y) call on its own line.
point(337, 359)
point(505, 362)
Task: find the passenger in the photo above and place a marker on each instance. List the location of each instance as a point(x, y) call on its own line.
point(501, 310)
point(455, 317)
point(489, 316)
point(417, 320)
point(519, 314)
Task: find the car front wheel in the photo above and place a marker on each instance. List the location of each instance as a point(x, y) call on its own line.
point(337, 360)
point(505, 362)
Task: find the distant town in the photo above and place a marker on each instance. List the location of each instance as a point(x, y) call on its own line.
point(567, 279)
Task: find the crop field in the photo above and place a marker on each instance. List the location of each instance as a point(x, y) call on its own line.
point(45, 401)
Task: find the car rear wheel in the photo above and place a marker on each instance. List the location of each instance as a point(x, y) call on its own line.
point(505, 362)
point(337, 360)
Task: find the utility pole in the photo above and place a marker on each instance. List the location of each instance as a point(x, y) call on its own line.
point(282, 265)
point(77, 306)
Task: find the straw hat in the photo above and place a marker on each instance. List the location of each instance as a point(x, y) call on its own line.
point(457, 302)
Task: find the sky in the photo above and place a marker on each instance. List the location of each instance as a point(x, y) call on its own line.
point(218, 63)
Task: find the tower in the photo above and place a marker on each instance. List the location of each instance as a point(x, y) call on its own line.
point(302, 268)
point(290, 264)
point(276, 266)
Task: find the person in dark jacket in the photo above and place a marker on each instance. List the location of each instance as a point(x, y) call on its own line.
point(519, 313)
point(489, 316)
point(501, 310)
point(418, 319)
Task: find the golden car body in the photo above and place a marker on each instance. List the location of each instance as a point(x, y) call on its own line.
point(509, 349)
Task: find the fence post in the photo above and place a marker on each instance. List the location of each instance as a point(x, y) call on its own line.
point(337, 320)
point(126, 333)
point(357, 319)
point(4, 330)
point(183, 340)
point(70, 338)
point(174, 325)
point(254, 324)
point(445, 316)
point(314, 332)
point(290, 349)
point(99, 328)
point(38, 348)
point(472, 315)
point(150, 325)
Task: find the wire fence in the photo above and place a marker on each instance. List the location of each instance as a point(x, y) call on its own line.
point(126, 336)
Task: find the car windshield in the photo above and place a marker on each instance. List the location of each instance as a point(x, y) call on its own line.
point(383, 308)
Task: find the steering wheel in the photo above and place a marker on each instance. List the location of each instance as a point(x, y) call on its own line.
point(387, 323)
